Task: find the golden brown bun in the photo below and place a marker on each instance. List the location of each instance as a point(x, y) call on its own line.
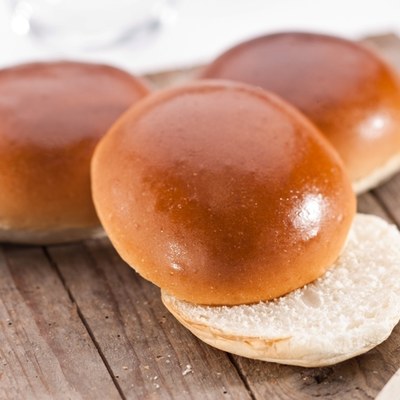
point(221, 193)
point(51, 117)
point(345, 89)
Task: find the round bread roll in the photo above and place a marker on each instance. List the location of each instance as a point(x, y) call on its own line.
point(221, 194)
point(349, 310)
point(51, 117)
point(346, 90)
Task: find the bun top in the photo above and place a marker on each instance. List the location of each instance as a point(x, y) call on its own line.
point(51, 117)
point(220, 193)
point(345, 89)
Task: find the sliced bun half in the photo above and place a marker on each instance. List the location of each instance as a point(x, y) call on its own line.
point(349, 310)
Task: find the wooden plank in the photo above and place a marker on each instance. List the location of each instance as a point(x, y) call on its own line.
point(45, 350)
point(359, 378)
point(389, 195)
point(369, 204)
point(149, 352)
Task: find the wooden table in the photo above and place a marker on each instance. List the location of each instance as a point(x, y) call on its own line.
point(77, 323)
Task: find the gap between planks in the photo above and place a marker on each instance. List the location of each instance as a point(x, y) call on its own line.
point(45, 350)
point(84, 322)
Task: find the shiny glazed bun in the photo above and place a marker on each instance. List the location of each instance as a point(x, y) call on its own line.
point(220, 193)
point(345, 89)
point(51, 117)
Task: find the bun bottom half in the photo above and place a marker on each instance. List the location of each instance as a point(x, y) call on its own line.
point(48, 237)
point(349, 310)
point(378, 176)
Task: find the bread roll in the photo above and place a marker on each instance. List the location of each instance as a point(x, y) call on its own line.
point(349, 310)
point(51, 118)
point(351, 94)
point(221, 193)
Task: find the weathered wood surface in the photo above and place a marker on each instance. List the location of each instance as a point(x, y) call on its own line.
point(77, 323)
point(45, 350)
point(149, 353)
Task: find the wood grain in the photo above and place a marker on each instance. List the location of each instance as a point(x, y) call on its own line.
point(150, 354)
point(389, 196)
point(369, 204)
point(45, 351)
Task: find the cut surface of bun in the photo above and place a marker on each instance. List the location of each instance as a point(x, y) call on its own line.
point(221, 193)
point(51, 117)
point(352, 308)
point(346, 90)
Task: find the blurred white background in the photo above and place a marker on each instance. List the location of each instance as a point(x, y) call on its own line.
point(204, 28)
